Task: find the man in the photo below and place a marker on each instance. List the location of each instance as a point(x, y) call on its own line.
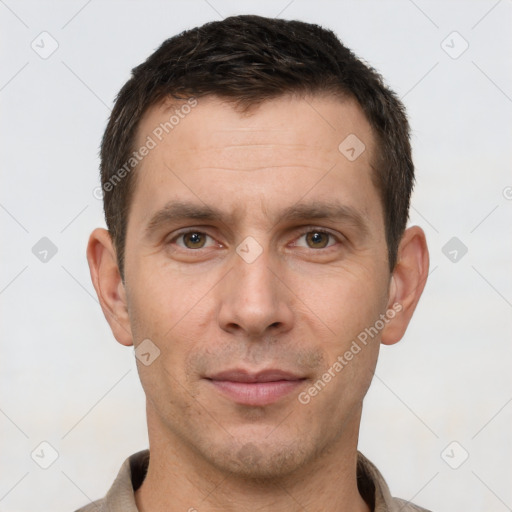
point(256, 180)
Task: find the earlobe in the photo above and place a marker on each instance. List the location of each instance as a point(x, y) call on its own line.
point(407, 283)
point(107, 282)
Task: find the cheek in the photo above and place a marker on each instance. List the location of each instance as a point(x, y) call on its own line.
point(162, 298)
point(346, 299)
point(344, 381)
point(173, 311)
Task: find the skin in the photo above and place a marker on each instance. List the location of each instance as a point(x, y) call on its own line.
point(297, 307)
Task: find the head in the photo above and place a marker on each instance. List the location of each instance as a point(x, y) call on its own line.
point(257, 178)
point(248, 60)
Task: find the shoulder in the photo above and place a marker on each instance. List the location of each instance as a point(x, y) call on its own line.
point(121, 495)
point(94, 506)
point(407, 506)
point(374, 489)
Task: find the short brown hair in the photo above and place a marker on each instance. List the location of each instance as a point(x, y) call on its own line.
point(250, 59)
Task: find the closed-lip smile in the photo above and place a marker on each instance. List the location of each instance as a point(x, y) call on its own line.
point(257, 388)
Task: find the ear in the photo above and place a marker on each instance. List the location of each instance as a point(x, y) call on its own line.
point(407, 283)
point(107, 282)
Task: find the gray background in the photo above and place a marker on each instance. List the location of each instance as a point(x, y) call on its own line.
point(67, 382)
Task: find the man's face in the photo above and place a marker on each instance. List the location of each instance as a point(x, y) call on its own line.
point(271, 283)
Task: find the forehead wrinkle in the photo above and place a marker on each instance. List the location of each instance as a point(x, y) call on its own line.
point(244, 158)
point(258, 168)
point(299, 151)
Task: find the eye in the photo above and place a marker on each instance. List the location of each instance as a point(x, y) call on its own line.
point(317, 239)
point(191, 240)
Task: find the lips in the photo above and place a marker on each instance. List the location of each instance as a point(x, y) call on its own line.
point(261, 376)
point(255, 388)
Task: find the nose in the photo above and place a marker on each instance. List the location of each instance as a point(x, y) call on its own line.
point(254, 300)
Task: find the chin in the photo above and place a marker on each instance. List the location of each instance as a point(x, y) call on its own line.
point(258, 461)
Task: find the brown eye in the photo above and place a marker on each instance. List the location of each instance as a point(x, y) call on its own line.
point(317, 239)
point(194, 240)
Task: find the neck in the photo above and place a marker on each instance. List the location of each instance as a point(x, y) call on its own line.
point(178, 479)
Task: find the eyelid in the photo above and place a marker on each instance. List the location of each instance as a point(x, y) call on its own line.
point(317, 229)
point(186, 231)
point(301, 232)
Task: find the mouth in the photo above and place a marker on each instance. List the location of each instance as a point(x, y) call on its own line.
point(255, 388)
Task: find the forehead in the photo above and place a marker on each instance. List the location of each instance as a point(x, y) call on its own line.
point(307, 129)
point(213, 153)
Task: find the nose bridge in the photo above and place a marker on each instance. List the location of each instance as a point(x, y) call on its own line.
point(256, 281)
point(253, 299)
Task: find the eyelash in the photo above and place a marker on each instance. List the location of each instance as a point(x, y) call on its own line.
point(309, 230)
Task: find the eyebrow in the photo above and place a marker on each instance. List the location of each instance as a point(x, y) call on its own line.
point(178, 210)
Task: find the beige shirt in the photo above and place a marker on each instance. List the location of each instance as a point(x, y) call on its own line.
point(121, 496)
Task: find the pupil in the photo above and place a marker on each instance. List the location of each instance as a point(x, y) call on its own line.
point(195, 239)
point(316, 238)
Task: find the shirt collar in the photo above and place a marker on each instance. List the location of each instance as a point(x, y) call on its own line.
point(121, 496)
